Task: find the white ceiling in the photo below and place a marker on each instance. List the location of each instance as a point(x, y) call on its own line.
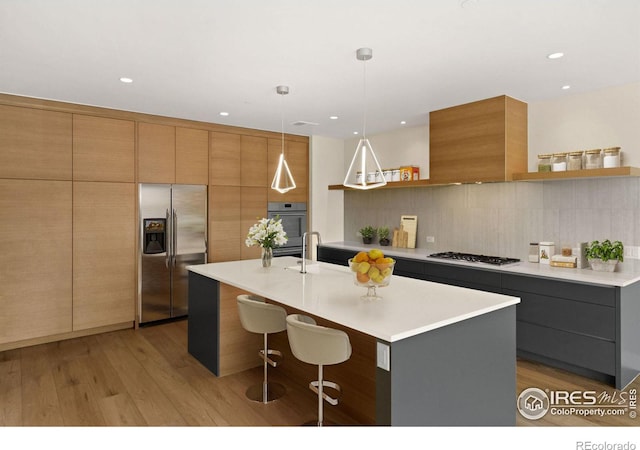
point(194, 58)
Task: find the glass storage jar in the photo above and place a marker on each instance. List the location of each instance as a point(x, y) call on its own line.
point(593, 159)
point(574, 161)
point(559, 162)
point(544, 163)
point(611, 157)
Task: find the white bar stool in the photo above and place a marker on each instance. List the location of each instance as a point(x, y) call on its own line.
point(257, 316)
point(315, 344)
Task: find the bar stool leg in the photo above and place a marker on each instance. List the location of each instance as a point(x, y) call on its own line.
point(320, 395)
point(266, 392)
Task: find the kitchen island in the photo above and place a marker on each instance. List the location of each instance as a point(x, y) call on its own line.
point(444, 355)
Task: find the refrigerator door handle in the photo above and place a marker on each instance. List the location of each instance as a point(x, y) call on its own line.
point(174, 233)
point(168, 243)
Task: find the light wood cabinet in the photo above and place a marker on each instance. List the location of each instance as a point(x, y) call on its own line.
point(103, 149)
point(35, 144)
point(297, 157)
point(224, 159)
point(103, 254)
point(478, 142)
point(253, 156)
point(156, 153)
point(35, 244)
point(192, 156)
point(225, 237)
point(253, 201)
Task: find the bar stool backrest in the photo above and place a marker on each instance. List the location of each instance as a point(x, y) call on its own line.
point(259, 317)
point(315, 344)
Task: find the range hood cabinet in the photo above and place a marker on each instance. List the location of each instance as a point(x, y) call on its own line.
point(482, 141)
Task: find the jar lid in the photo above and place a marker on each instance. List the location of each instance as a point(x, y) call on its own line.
point(576, 153)
point(560, 154)
point(547, 243)
point(533, 243)
point(544, 156)
point(612, 150)
point(594, 151)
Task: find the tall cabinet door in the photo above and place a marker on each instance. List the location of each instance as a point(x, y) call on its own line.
point(103, 254)
point(35, 244)
point(156, 153)
point(253, 208)
point(225, 237)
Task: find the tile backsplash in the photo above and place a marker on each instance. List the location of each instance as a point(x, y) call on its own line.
point(503, 218)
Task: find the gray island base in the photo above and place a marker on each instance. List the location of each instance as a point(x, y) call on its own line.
point(445, 355)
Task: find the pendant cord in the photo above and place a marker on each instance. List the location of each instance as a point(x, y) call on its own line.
point(364, 99)
point(282, 122)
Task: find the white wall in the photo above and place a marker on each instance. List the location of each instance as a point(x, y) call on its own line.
point(598, 119)
point(403, 147)
point(327, 207)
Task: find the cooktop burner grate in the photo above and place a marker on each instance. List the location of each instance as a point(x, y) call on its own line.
point(469, 257)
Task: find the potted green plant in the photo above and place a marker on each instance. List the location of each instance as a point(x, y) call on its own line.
point(604, 256)
point(383, 235)
point(367, 234)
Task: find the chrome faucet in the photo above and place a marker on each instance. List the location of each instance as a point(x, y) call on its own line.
point(303, 266)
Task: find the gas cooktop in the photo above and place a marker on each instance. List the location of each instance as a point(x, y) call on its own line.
point(469, 257)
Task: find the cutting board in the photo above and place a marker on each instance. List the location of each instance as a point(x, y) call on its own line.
point(409, 224)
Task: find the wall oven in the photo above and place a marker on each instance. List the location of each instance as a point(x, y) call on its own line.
point(294, 222)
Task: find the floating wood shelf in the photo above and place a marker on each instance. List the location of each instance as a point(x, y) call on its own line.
point(527, 176)
point(573, 174)
point(389, 185)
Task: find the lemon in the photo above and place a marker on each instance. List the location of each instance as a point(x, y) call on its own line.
point(375, 253)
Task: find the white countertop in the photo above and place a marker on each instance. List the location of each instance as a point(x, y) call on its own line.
point(408, 307)
point(626, 273)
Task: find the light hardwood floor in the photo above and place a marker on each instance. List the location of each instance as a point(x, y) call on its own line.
point(146, 377)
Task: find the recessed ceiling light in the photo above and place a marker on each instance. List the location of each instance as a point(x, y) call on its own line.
point(566, 86)
point(126, 80)
point(333, 117)
point(556, 55)
point(355, 132)
point(403, 122)
point(224, 113)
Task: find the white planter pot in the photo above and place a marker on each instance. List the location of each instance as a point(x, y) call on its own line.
point(603, 266)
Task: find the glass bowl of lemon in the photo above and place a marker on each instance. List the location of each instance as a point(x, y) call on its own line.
point(371, 269)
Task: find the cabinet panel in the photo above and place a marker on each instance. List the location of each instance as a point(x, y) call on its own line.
point(156, 153)
point(103, 254)
point(225, 235)
point(297, 157)
point(103, 149)
point(35, 144)
point(35, 244)
point(192, 156)
point(253, 208)
point(253, 153)
point(224, 159)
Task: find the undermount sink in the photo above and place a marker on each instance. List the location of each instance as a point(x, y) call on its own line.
point(311, 268)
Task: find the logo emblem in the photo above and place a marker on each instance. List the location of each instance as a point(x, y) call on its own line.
point(533, 403)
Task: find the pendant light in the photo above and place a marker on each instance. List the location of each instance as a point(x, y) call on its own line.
point(364, 160)
point(282, 180)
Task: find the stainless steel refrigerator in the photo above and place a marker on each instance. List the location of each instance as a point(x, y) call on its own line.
point(173, 235)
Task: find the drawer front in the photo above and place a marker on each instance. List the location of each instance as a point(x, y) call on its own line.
point(579, 350)
point(461, 276)
point(409, 268)
point(335, 256)
point(600, 295)
point(568, 315)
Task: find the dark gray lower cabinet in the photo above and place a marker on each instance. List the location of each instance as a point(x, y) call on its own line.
point(589, 329)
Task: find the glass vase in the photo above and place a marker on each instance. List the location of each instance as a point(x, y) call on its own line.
point(267, 256)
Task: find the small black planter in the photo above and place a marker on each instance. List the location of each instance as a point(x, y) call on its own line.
point(367, 240)
point(384, 242)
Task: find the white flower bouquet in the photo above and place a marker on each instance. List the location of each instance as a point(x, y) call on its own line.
point(267, 233)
